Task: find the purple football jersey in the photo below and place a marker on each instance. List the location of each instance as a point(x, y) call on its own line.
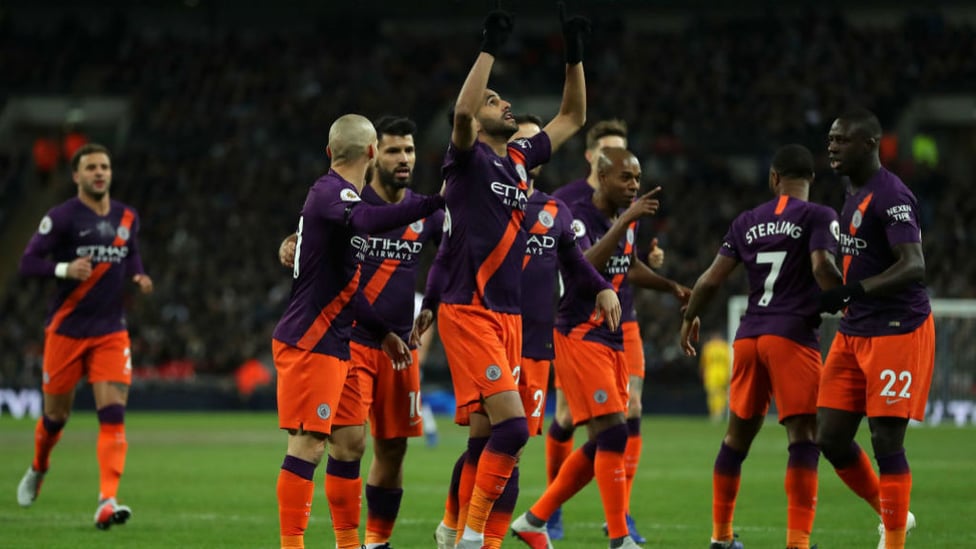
point(484, 242)
point(72, 230)
point(774, 242)
point(575, 310)
point(389, 272)
point(879, 216)
point(551, 243)
point(331, 246)
point(574, 191)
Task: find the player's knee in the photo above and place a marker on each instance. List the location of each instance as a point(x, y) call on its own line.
point(884, 442)
point(833, 448)
point(510, 436)
point(613, 438)
point(391, 450)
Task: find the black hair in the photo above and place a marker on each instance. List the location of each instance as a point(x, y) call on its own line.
point(863, 121)
point(394, 125)
point(794, 162)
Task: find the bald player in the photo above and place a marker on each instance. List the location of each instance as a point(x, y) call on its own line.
point(311, 342)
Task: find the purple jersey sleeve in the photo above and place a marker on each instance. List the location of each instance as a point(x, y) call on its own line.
point(35, 261)
point(373, 218)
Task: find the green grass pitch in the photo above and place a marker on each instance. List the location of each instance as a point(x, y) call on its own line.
point(208, 481)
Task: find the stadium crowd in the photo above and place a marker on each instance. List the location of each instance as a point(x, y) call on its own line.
point(228, 130)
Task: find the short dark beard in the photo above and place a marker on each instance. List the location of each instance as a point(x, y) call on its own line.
point(390, 181)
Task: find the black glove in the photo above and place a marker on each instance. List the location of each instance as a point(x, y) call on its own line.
point(498, 25)
point(576, 29)
point(840, 297)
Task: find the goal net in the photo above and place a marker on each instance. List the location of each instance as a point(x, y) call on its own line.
point(952, 397)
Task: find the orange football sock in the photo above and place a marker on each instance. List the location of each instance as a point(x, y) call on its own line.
point(111, 449)
point(801, 493)
point(895, 489)
point(494, 470)
point(343, 489)
point(451, 503)
point(559, 444)
point(861, 478)
point(47, 433)
point(295, 491)
point(501, 512)
point(726, 477)
point(611, 478)
point(575, 473)
point(632, 454)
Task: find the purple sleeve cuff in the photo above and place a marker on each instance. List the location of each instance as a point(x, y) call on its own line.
point(369, 218)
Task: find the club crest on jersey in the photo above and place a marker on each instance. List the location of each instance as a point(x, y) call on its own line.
point(630, 235)
point(493, 373)
point(835, 229)
point(417, 226)
point(520, 170)
point(600, 396)
point(45, 226)
point(122, 232)
point(856, 219)
point(349, 195)
point(545, 219)
point(579, 228)
point(323, 411)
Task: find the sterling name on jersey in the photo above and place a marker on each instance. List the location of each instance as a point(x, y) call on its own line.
point(879, 216)
point(774, 242)
point(389, 272)
point(484, 242)
point(71, 230)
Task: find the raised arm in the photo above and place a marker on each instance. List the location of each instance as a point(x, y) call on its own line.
point(572, 110)
point(498, 25)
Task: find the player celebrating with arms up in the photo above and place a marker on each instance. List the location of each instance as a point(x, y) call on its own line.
point(480, 324)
